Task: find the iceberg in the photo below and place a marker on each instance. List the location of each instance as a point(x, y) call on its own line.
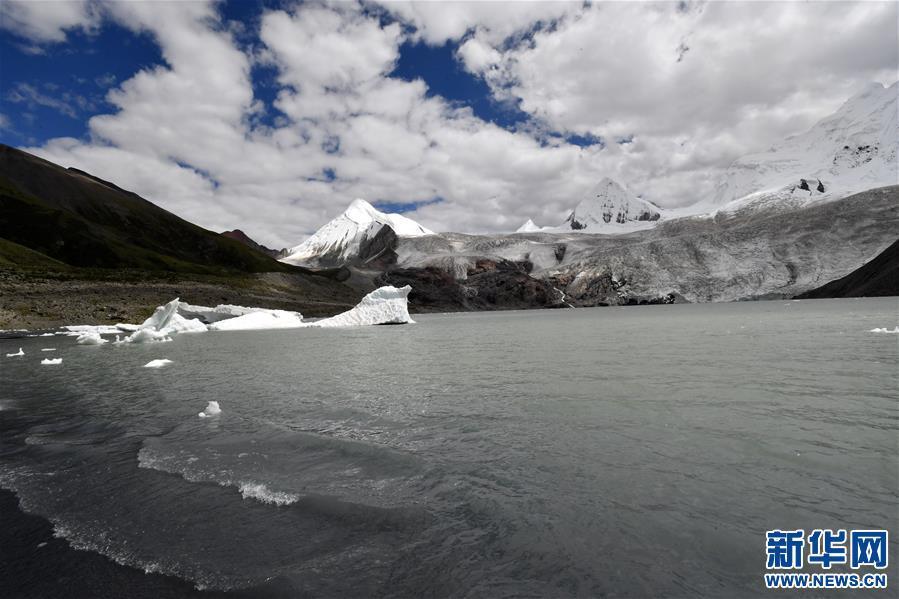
point(879, 330)
point(18, 353)
point(385, 305)
point(50, 361)
point(157, 363)
point(90, 338)
point(48, 349)
point(148, 335)
point(164, 322)
point(212, 409)
point(262, 319)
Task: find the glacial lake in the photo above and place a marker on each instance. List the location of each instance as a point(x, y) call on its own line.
point(636, 451)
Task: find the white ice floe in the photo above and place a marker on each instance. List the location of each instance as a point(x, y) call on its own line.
point(262, 319)
point(17, 354)
point(157, 363)
point(76, 330)
point(212, 409)
point(885, 330)
point(90, 338)
point(217, 313)
point(50, 361)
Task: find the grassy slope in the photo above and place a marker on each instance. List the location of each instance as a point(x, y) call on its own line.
point(76, 249)
point(83, 221)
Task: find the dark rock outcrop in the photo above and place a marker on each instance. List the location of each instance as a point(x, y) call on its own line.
point(490, 285)
point(378, 251)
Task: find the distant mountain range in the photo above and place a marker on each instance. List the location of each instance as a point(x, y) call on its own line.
point(780, 223)
point(784, 222)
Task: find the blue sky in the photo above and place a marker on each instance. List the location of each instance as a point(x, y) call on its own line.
point(52, 93)
point(470, 116)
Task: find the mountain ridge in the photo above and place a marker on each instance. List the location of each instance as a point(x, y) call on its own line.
point(340, 239)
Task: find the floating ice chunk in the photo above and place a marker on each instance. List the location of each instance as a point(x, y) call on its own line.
point(157, 363)
point(263, 319)
point(48, 349)
point(386, 305)
point(49, 361)
point(167, 321)
point(883, 330)
point(90, 338)
point(17, 354)
point(146, 336)
point(76, 330)
point(220, 312)
point(212, 409)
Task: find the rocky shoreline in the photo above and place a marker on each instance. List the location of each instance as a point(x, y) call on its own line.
point(49, 300)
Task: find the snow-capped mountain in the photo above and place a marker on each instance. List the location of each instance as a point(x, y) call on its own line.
point(608, 209)
point(528, 227)
point(341, 238)
point(850, 151)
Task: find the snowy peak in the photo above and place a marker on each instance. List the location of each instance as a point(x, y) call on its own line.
point(609, 208)
point(608, 205)
point(852, 150)
point(528, 227)
point(340, 239)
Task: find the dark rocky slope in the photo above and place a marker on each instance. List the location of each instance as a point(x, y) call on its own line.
point(83, 221)
point(75, 249)
point(245, 239)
